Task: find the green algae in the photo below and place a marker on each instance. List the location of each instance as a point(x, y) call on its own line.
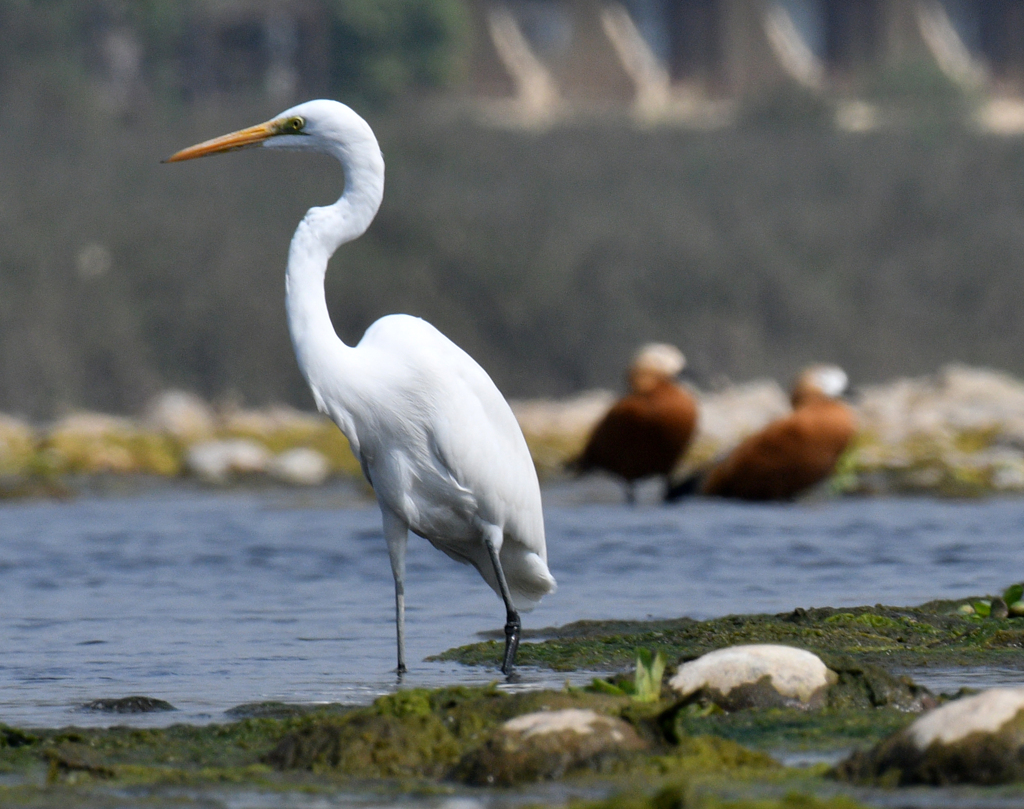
point(689, 796)
point(414, 740)
point(937, 633)
point(779, 730)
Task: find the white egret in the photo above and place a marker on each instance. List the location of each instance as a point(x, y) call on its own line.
point(435, 438)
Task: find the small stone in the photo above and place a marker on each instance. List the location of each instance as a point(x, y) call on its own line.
point(973, 740)
point(546, 745)
point(999, 609)
point(758, 675)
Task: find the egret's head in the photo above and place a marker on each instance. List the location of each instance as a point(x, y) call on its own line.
point(654, 363)
point(317, 126)
point(819, 381)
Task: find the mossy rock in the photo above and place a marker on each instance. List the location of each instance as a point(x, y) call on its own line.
point(976, 739)
point(369, 746)
point(548, 745)
point(133, 704)
point(756, 676)
point(415, 733)
point(93, 443)
point(72, 758)
point(862, 685)
point(17, 445)
point(936, 633)
point(282, 429)
point(686, 795)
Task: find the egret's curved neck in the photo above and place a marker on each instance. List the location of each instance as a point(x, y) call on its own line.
point(318, 348)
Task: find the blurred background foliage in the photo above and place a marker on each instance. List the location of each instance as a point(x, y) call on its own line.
point(370, 50)
point(548, 255)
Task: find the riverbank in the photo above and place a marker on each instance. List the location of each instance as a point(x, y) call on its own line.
point(958, 432)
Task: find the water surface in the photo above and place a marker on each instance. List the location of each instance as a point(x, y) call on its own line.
point(209, 600)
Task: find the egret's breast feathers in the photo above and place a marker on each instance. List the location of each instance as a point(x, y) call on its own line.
point(453, 425)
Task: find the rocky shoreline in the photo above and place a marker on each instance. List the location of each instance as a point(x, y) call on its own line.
point(725, 729)
point(958, 432)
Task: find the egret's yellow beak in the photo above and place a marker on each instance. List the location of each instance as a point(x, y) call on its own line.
point(242, 139)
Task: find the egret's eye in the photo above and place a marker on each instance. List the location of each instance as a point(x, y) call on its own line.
point(294, 124)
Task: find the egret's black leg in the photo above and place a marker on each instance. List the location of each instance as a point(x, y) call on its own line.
point(512, 629)
point(512, 622)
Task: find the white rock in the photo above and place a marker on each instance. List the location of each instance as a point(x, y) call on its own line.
point(952, 401)
point(271, 420)
point(548, 418)
point(986, 712)
point(182, 415)
point(93, 425)
point(13, 426)
point(216, 461)
point(576, 720)
point(794, 673)
point(300, 467)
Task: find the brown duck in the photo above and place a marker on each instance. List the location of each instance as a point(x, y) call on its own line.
point(646, 432)
point(791, 454)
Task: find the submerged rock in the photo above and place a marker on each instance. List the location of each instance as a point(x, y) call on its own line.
point(973, 740)
point(862, 686)
point(133, 704)
point(273, 709)
point(546, 745)
point(756, 676)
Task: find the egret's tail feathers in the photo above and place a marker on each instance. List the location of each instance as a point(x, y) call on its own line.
point(528, 578)
point(526, 573)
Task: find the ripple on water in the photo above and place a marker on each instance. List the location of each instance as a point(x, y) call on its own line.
point(210, 600)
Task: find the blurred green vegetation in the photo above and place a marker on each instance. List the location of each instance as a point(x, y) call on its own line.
point(548, 256)
point(370, 50)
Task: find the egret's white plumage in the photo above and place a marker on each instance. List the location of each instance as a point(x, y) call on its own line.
point(436, 439)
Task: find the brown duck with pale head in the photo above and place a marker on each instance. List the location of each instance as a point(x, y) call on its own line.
point(791, 454)
point(646, 432)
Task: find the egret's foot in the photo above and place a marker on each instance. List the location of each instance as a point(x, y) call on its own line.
point(401, 671)
point(512, 629)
